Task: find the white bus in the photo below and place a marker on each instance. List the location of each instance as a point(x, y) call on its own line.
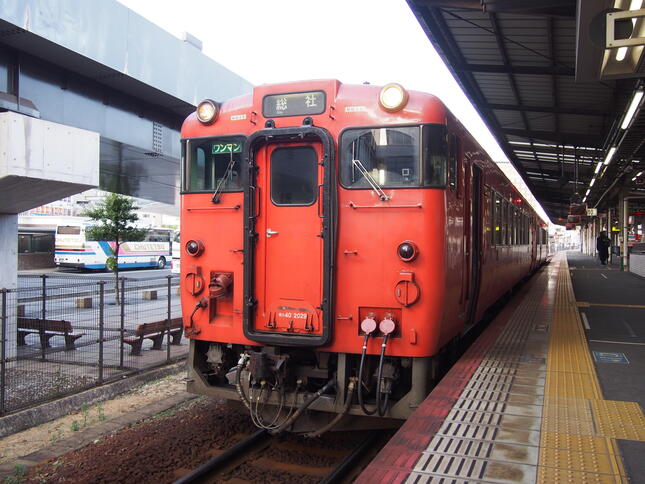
point(72, 249)
point(176, 254)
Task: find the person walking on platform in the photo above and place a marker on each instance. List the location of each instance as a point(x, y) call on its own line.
point(602, 246)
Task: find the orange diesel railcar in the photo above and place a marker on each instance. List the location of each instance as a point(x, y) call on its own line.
point(336, 238)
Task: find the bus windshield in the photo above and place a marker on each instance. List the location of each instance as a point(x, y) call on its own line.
point(213, 164)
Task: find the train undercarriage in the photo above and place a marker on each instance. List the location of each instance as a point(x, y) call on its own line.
point(307, 391)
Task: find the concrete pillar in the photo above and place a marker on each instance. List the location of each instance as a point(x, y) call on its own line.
point(9, 251)
point(40, 162)
point(9, 277)
point(624, 236)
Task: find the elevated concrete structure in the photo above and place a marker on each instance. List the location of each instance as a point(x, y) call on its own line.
point(93, 81)
point(41, 162)
point(101, 67)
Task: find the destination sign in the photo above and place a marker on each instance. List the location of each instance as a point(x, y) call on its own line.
point(293, 104)
point(224, 148)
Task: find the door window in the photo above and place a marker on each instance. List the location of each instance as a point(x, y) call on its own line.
point(294, 176)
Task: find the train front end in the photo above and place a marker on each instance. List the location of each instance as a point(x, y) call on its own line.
point(314, 242)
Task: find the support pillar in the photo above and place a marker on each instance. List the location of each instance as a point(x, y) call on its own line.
point(624, 232)
point(9, 278)
point(9, 250)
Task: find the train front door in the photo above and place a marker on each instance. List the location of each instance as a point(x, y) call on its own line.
point(288, 269)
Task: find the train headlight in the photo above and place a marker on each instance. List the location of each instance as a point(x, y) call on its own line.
point(393, 97)
point(407, 251)
point(207, 111)
point(194, 247)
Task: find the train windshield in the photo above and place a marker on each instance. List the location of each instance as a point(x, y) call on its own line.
point(397, 157)
point(213, 164)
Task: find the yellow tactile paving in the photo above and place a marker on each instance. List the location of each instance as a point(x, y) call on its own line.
point(620, 420)
point(553, 475)
point(576, 442)
point(577, 461)
point(579, 428)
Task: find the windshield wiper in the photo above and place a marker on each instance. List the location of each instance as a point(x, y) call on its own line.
point(375, 186)
point(227, 174)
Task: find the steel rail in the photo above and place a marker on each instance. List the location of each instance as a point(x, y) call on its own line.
point(225, 458)
point(341, 472)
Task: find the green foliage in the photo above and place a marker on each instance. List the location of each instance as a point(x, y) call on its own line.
point(113, 219)
point(99, 409)
point(114, 216)
point(18, 476)
point(75, 426)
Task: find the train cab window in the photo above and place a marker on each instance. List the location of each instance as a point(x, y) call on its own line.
point(294, 176)
point(386, 156)
point(213, 164)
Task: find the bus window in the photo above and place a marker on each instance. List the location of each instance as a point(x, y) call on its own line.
point(68, 230)
point(390, 157)
point(213, 163)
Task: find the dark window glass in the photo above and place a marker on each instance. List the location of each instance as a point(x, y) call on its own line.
point(42, 243)
point(390, 156)
point(504, 222)
point(435, 149)
point(294, 176)
point(213, 163)
point(498, 221)
point(452, 162)
point(24, 243)
point(35, 243)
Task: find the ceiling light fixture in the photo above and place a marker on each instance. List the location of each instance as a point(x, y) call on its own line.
point(610, 155)
point(638, 95)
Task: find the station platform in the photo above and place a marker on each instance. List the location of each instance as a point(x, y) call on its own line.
point(552, 391)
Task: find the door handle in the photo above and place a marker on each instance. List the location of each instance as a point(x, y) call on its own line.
point(271, 232)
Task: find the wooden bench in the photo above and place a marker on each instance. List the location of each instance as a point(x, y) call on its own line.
point(155, 332)
point(47, 328)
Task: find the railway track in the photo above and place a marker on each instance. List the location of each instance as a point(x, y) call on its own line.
point(288, 460)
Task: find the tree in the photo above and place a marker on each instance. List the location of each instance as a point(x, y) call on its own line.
point(114, 216)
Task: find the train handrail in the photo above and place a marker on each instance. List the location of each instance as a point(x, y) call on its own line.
point(355, 206)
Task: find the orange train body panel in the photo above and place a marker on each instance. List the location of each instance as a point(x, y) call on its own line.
point(299, 240)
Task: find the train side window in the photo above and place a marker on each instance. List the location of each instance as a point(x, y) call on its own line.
point(511, 225)
point(435, 149)
point(504, 222)
point(517, 227)
point(211, 163)
point(294, 176)
point(453, 159)
point(497, 220)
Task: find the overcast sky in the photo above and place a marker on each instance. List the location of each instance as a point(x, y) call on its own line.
point(378, 41)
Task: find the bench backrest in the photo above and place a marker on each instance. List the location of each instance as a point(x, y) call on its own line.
point(60, 326)
point(158, 326)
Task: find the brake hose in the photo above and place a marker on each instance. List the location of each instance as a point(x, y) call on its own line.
point(360, 379)
point(381, 409)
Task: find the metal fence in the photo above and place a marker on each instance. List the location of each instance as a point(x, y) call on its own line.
point(59, 336)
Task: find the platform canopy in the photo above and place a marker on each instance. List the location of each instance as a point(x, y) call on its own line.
point(536, 71)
